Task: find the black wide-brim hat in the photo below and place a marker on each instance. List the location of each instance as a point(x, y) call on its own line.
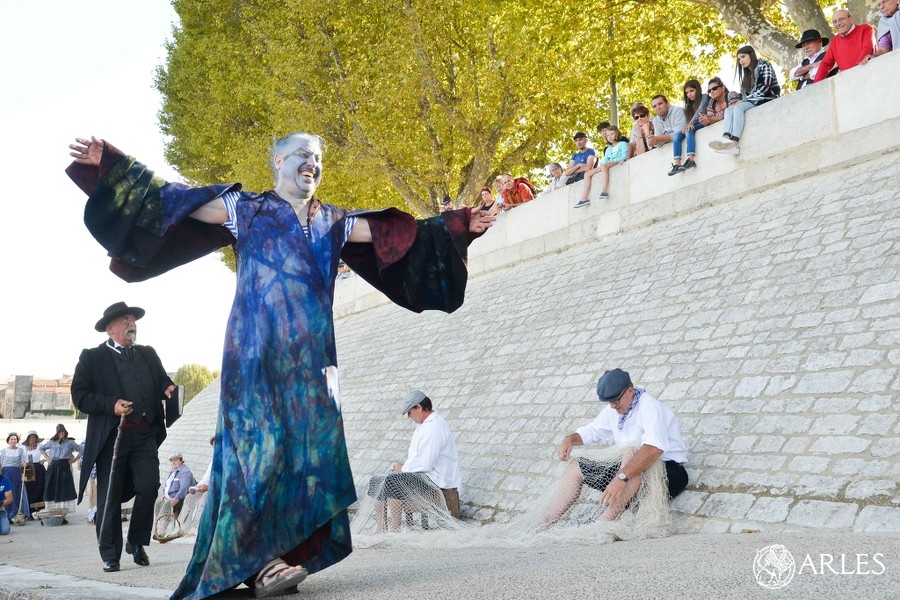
point(810, 35)
point(117, 310)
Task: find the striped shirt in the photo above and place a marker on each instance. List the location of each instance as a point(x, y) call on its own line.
point(230, 200)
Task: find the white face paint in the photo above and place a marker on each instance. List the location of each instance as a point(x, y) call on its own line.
point(300, 170)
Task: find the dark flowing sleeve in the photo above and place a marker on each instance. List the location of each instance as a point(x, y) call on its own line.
point(143, 221)
point(420, 265)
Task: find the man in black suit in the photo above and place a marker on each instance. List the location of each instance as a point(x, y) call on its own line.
point(121, 386)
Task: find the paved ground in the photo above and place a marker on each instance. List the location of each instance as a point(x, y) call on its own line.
point(62, 563)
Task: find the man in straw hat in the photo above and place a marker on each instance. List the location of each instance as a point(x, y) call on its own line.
point(120, 386)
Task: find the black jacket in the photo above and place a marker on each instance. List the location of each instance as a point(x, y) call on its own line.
point(95, 390)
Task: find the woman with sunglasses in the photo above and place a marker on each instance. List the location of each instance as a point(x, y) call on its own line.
point(642, 130)
point(695, 102)
point(759, 85)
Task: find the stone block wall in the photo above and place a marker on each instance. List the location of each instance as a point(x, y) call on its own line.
point(758, 296)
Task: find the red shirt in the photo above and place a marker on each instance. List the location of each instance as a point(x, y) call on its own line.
point(520, 194)
point(847, 51)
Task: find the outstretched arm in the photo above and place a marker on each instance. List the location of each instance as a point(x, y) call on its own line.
point(479, 222)
point(90, 151)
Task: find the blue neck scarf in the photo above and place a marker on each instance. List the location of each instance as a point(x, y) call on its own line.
point(638, 392)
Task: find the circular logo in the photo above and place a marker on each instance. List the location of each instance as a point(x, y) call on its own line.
point(774, 567)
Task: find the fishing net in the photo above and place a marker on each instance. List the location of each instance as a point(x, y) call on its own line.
point(166, 524)
point(569, 512)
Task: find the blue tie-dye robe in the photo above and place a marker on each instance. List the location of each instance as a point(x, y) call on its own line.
point(281, 481)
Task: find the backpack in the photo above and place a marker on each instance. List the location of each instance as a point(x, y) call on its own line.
point(528, 184)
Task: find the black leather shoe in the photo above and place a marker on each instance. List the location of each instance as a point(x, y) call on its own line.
point(111, 566)
point(139, 554)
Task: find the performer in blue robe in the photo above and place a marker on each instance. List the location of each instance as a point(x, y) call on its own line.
point(281, 482)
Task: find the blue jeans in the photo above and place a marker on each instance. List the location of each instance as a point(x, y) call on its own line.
point(690, 136)
point(4, 522)
point(734, 119)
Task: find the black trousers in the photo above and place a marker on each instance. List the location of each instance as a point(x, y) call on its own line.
point(137, 466)
point(598, 475)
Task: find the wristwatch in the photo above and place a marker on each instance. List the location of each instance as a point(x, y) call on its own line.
point(621, 475)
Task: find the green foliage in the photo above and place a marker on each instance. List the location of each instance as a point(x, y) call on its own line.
point(415, 99)
point(194, 378)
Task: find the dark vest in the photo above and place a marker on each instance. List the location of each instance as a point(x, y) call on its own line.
point(805, 82)
point(137, 384)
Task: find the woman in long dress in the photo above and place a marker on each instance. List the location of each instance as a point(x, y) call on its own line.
point(60, 451)
point(12, 459)
point(35, 483)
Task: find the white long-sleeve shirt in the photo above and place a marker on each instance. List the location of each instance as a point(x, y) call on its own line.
point(432, 451)
point(651, 423)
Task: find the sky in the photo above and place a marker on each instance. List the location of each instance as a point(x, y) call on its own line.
point(76, 69)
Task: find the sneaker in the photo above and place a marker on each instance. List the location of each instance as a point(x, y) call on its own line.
point(730, 150)
point(688, 164)
point(604, 195)
point(722, 144)
point(582, 203)
point(676, 169)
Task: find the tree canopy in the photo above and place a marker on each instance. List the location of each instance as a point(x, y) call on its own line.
point(415, 100)
point(194, 378)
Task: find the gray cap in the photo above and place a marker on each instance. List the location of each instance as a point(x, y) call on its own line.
point(412, 398)
point(177, 455)
point(612, 384)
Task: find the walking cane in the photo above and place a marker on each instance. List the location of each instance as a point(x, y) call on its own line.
point(19, 519)
point(112, 470)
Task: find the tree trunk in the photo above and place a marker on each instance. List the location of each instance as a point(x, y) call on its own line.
point(864, 11)
point(808, 15)
point(747, 18)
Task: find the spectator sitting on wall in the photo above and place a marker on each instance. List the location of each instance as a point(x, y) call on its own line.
point(759, 85)
point(488, 204)
point(813, 45)
point(582, 161)
point(720, 98)
point(641, 131)
point(669, 119)
point(447, 204)
point(852, 45)
point(516, 191)
point(616, 153)
point(557, 178)
point(695, 103)
point(498, 190)
point(888, 34)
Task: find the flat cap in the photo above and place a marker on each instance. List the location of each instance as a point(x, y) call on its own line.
point(612, 384)
point(412, 398)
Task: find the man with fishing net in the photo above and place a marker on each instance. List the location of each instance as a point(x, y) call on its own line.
point(645, 429)
point(431, 466)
